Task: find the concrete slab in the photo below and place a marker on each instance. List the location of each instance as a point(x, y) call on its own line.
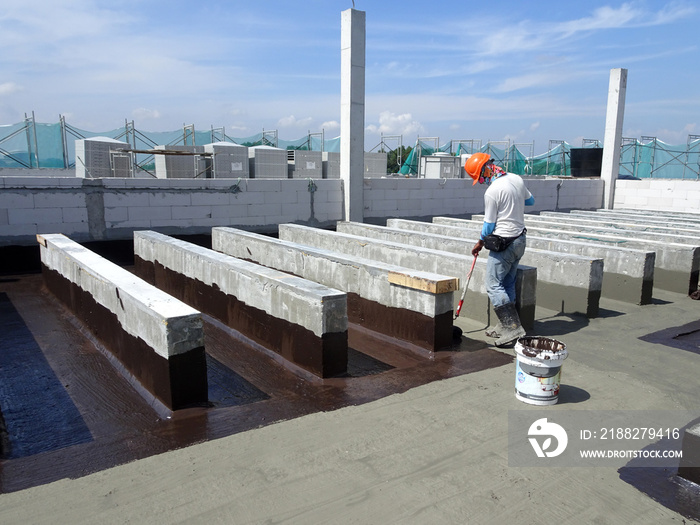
point(405, 311)
point(476, 306)
point(436, 453)
point(86, 417)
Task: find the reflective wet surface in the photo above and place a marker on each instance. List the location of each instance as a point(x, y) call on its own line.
point(69, 410)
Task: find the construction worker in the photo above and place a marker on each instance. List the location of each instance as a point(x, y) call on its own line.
point(503, 234)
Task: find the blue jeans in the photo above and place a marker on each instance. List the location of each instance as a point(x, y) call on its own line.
point(501, 271)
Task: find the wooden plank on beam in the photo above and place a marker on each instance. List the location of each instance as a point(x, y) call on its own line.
point(418, 282)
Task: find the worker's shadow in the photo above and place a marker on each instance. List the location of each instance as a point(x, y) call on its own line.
point(566, 323)
point(559, 324)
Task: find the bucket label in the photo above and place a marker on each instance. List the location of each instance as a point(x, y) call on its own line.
point(536, 390)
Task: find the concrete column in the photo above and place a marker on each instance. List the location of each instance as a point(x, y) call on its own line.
point(352, 112)
point(613, 134)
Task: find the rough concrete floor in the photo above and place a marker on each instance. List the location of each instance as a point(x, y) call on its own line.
point(435, 453)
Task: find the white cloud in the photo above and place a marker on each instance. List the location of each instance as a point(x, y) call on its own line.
point(534, 126)
point(146, 114)
point(629, 14)
point(292, 122)
point(676, 136)
point(391, 123)
point(527, 81)
point(330, 125)
point(8, 88)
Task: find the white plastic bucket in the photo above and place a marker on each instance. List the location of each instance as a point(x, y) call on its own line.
point(538, 369)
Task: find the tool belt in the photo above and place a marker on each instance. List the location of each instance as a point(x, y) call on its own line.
point(496, 243)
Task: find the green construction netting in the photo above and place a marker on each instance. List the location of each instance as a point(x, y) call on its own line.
point(656, 159)
point(34, 145)
point(554, 162)
point(30, 145)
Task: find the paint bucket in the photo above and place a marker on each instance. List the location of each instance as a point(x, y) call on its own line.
point(538, 369)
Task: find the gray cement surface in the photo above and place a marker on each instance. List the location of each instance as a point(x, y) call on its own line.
point(437, 453)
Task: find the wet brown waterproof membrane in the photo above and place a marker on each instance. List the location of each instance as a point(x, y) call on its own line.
point(324, 356)
point(118, 424)
point(429, 333)
point(423, 333)
point(178, 382)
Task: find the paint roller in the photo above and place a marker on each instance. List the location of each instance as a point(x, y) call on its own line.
point(466, 287)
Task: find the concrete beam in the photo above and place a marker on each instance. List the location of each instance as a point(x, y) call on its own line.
point(693, 217)
point(570, 226)
point(568, 283)
point(157, 338)
point(409, 313)
point(670, 221)
point(676, 266)
point(302, 321)
point(476, 305)
point(592, 219)
point(689, 467)
point(628, 273)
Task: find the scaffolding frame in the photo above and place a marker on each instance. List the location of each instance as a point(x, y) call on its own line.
point(10, 155)
point(273, 141)
point(399, 146)
point(528, 158)
point(24, 142)
point(591, 143)
point(563, 156)
point(473, 147)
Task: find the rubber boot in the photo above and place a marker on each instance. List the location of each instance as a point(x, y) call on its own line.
point(494, 331)
point(511, 329)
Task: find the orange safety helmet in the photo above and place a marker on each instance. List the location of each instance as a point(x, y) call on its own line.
point(475, 164)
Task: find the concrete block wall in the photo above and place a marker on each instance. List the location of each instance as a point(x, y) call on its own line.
point(37, 172)
point(113, 208)
point(658, 194)
point(110, 208)
point(399, 197)
point(31, 205)
point(564, 194)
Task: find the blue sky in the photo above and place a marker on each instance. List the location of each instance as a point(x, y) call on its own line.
point(499, 70)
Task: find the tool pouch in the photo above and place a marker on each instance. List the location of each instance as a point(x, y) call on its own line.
point(496, 243)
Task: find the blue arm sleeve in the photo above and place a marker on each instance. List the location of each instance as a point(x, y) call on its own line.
point(530, 201)
point(487, 229)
